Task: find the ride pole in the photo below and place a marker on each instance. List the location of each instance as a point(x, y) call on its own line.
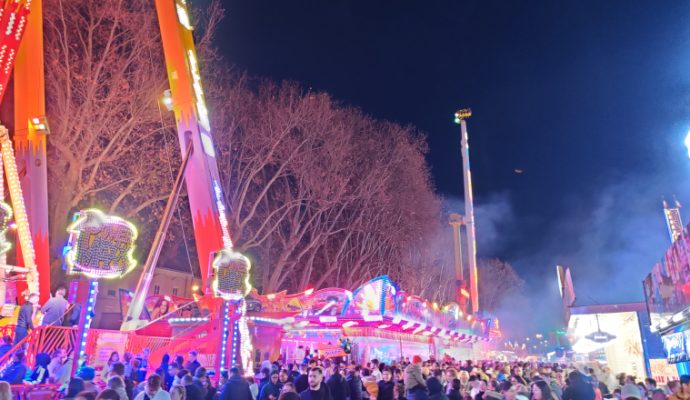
point(461, 118)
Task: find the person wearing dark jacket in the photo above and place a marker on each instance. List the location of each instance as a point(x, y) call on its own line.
point(265, 378)
point(355, 384)
point(338, 386)
point(317, 390)
point(192, 363)
point(40, 375)
point(454, 392)
point(14, 374)
point(435, 389)
point(578, 388)
point(236, 388)
point(193, 392)
point(271, 390)
point(301, 381)
point(25, 319)
point(386, 386)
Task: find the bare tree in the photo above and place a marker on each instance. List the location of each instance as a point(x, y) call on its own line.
point(104, 74)
point(498, 281)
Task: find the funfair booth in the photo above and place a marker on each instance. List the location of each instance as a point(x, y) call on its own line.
point(667, 292)
point(377, 320)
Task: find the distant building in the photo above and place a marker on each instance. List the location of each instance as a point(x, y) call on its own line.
point(166, 282)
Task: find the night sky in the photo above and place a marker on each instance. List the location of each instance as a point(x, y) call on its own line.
point(588, 98)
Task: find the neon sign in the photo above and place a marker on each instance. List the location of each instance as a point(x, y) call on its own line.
point(100, 245)
point(5, 217)
point(231, 275)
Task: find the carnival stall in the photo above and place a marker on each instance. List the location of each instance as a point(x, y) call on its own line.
point(377, 320)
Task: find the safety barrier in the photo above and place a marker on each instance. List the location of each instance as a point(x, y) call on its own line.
point(35, 392)
point(44, 339)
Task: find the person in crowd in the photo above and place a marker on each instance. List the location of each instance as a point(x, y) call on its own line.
point(237, 388)
point(127, 358)
point(371, 386)
point(264, 377)
point(39, 375)
point(74, 387)
point(54, 309)
point(284, 376)
point(375, 370)
point(288, 387)
point(302, 382)
point(108, 394)
point(6, 345)
point(354, 382)
point(15, 373)
point(435, 387)
point(199, 378)
point(25, 319)
point(193, 391)
point(118, 385)
point(630, 391)
point(134, 375)
point(88, 374)
point(386, 385)
point(317, 389)
point(177, 392)
point(289, 396)
point(86, 395)
point(154, 389)
point(173, 370)
point(519, 376)
point(143, 359)
point(57, 368)
point(271, 390)
point(192, 362)
point(253, 387)
point(165, 368)
point(578, 388)
point(454, 392)
point(540, 390)
point(337, 385)
point(414, 381)
point(682, 391)
point(118, 369)
point(105, 372)
point(659, 394)
point(5, 391)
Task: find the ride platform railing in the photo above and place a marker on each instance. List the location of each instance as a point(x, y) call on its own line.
point(43, 339)
point(36, 392)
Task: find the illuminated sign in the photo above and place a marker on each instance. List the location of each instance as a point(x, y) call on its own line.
point(600, 337)
point(100, 246)
point(231, 275)
point(5, 217)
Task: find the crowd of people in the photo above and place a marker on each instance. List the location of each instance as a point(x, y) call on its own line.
point(126, 378)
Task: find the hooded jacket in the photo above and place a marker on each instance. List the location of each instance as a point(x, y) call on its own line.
point(413, 377)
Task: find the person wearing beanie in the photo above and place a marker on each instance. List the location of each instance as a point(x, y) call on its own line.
point(414, 381)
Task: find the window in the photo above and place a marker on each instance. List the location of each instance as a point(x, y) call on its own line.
point(156, 289)
point(174, 291)
point(111, 293)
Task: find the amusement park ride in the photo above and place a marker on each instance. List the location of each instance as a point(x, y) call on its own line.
point(100, 246)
